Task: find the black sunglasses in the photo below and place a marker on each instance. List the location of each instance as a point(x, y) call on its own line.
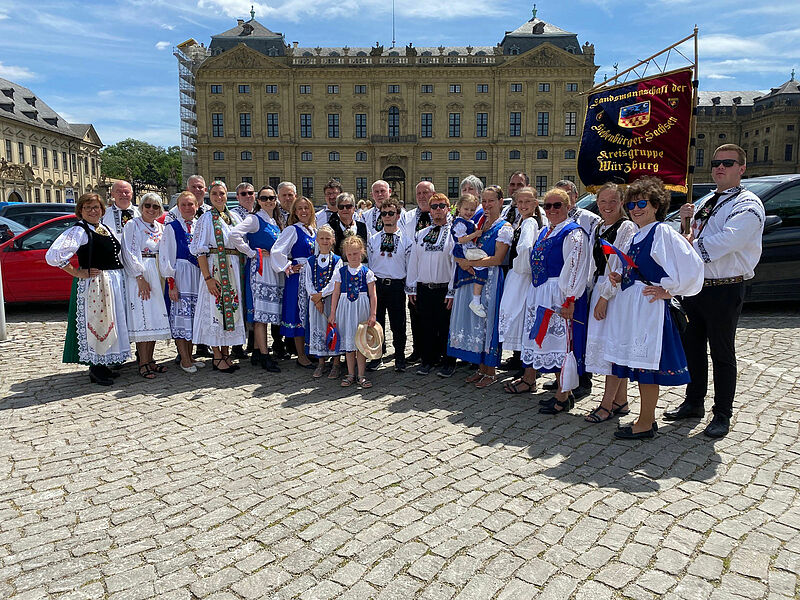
point(639, 203)
point(388, 213)
point(267, 198)
point(148, 205)
point(438, 206)
point(247, 193)
point(725, 162)
point(552, 205)
point(345, 206)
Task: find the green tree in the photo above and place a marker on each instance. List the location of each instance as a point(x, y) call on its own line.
point(136, 155)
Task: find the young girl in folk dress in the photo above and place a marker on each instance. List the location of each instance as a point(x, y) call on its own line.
point(354, 301)
point(318, 280)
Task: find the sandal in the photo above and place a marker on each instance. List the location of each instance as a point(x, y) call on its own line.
point(594, 416)
point(157, 368)
point(364, 383)
point(335, 371)
point(146, 372)
point(475, 377)
point(348, 380)
point(556, 406)
point(620, 409)
point(486, 381)
point(516, 387)
point(215, 362)
point(319, 371)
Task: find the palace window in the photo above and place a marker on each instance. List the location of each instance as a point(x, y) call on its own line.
point(481, 155)
point(333, 125)
point(219, 155)
point(361, 125)
point(333, 156)
point(307, 187)
point(543, 124)
point(360, 89)
point(454, 155)
point(217, 128)
point(306, 156)
point(246, 155)
point(426, 88)
point(454, 127)
point(481, 124)
point(544, 87)
point(216, 88)
point(271, 88)
point(361, 156)
point(426, 125)
point(516, 87)
point(394, 122)
point(572, 87)
point(455, 88)
point(482, 88)
point(305, 125)
point(245, 129)
point(393, 89)
point(513, 155)
point(570, 123)
point(273, 155)
point(305, 89)
point(244, 89)
point(333, 89)
point(515, 124)
point(426, 155)
point(272, 125)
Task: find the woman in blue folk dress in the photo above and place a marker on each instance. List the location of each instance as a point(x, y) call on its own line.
point(263, 286)
point(289, 254)
point(472, 338)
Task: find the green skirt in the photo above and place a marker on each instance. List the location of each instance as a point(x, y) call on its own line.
point(71, 341)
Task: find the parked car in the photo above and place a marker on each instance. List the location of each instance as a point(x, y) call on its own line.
point(33, 213)
point(9, 228)
point(777, 275)
point(26, 275)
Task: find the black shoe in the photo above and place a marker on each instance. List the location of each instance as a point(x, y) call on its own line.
point(255, 357)
point(374, 364)
point(238, 353)
point(553, 385)
point(97, 376)
point(215, 365)
point(400, 366)
point(424, 370)
point(554, 406)
point(177, 360)
point(685, 411)
point(106, 372)
point(512, 364)
point(719, 427)
point(446, 371)
point(202, 351)
point(413, 357)
point(581, 392)
point(626, 433)
point(268, 364)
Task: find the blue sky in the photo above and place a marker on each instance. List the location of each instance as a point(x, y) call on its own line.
point(110, 62)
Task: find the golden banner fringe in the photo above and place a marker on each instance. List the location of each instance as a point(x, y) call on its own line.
point(592, 189)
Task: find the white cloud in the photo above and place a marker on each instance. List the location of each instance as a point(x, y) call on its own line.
point(105, 93)
point(730, 45)
point(167, 27)
point(718, 76)
point(162, 45)
point(15, 73)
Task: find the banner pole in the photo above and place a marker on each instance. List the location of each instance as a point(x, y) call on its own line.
point(686, 222)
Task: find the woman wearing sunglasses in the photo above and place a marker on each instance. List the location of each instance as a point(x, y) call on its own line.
point(472, 338)
point(147, 312)
point(559, 273)
point(263, 286)
point(645, 345)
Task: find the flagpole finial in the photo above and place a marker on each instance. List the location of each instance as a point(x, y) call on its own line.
point(534, 11)
point(792, 74)
point(252, 13)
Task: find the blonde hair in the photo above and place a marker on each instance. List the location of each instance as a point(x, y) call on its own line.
point(467, 199)
point(189, 195)
point(326, 230)
point(561, 194)
point(312, 224)
point(353, 240)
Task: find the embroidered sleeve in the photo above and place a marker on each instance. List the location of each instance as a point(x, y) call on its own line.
point(281, 251)
point(575, 272)
point(167, 252)
point(237, 235)
point(131, 249)
point(65, 246)
point(203, 235)
point(743, 223)
point(681, 263)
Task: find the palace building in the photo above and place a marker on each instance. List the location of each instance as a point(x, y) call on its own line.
point(254, 108)
point(42, 157)
point(766, 126)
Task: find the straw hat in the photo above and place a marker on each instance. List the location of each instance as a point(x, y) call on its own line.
point(369, 340)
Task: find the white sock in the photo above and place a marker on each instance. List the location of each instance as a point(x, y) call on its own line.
point(476, 298)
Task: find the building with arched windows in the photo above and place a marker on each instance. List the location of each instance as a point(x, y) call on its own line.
point(42, 157)
point(365, 113)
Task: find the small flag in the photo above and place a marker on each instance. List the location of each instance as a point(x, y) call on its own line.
point(540, 325)
point(260, 267)
point(609, 249)
point(332, 338)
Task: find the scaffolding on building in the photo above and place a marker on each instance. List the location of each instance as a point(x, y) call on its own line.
point(189, 55)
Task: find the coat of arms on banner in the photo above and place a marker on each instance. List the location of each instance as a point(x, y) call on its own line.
point(635, 115)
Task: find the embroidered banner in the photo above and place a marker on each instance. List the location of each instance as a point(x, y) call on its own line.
point(636, 129)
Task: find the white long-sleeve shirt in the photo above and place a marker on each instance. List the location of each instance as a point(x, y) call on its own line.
point(250, 224)
point(139, 237)
point(281, 255)
point(168, 249)
point(431, 262)
point(384, 266)
point(730, 242)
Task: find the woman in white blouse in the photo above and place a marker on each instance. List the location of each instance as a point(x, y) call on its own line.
point(182, 275)
point(96, 331)
point(218, 320)
point(559, 274)
point(512, 305)
point(644, 344)
point(289, 254)
point(614, 228)
point(255, 237)
point(147, 313)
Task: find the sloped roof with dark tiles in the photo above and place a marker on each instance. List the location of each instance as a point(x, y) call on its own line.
point(258, 31)
point(726, 97)
point(20, 104)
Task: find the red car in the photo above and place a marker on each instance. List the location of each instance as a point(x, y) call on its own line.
point(26, 275)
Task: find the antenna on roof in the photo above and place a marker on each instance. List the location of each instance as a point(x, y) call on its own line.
point(393, 40)
point(252, 13)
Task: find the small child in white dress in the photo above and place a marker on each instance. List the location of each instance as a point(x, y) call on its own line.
point(354, 301)
point(464, 233)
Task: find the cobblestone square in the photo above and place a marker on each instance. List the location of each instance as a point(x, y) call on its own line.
point(256, 485)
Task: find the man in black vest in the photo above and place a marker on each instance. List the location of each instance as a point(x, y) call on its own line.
point(344, 223)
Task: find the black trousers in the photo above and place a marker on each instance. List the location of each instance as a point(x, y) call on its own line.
point(392, 299)
point(434, 325)
point(713, 317)
point(413, 314)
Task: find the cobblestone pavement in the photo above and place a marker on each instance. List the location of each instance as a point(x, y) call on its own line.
point(251, 485)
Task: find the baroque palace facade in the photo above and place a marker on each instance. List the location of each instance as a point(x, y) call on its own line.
point(42, 157)
point(256, 109)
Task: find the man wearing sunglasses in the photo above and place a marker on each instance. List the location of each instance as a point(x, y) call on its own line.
point(726, 233)
point(387, 252)
point(344, 223)
point(331, 190)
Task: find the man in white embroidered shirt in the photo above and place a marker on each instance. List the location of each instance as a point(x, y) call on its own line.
point(726, 233)
point(121, 210)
